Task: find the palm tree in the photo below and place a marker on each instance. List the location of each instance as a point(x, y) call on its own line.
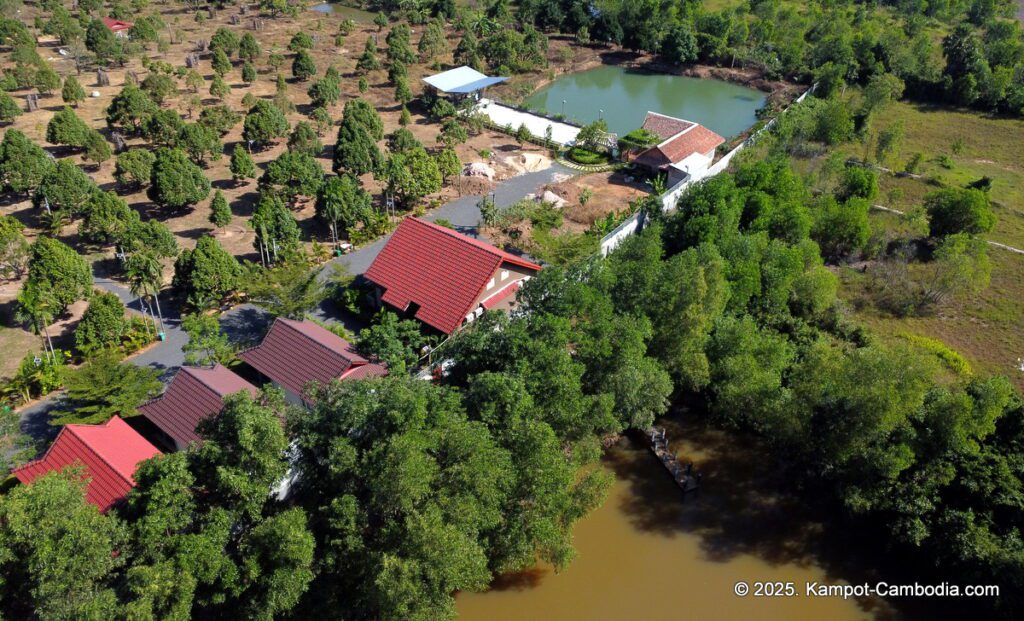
point(36, 306)
point(145, 276)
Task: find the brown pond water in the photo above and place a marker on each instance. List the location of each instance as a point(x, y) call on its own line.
point(647, 554)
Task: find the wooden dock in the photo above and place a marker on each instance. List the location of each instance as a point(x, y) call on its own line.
point(684, 476)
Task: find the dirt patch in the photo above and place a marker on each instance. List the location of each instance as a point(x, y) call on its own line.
point(528, 162)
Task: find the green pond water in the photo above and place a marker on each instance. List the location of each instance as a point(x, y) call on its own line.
point(622, 97)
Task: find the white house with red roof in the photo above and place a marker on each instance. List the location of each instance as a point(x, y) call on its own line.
point(195, 393)
point(109, 453)
point(686, 150)
point(443, 278)
point(118, 27)
point(295, 353)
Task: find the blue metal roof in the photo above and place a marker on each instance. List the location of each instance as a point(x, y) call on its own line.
point(461, 80)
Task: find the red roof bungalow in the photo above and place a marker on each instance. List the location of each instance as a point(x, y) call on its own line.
point(295, 353)
point(110, 453)
point(443, 278)
point(686, 149)
point(194, 394)
point(117, 26)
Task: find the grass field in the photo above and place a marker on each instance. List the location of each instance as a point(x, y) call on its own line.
point(958, 147)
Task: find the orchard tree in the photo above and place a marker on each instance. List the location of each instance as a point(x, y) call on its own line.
point(368, 60)
point(206, 274)
point(248, 73)
point(219, 118)
point(249, 48)
point(14, 249)
point(134, 167)
point(433, 42)
point(448, 164)
point(220, 63)
point(46, 80)
point(58, 271)
point(63, 192)
point(411, 175)
point(219, 88)
point(200, 142)
point(130, 108)
point(303, 67)
point(322, 119)
point(66, 128)
point(220, 211)
point(107, 218)
point(102, 326)
point(9, 109)
point(163, 128)
point(207, 344)
point(72, 92)
point(264, 123)
point(356, 149)
point(97, 149)
point(342, 202)
point(159, 86)
point(175, 181)
point(399, 45)
point(294, 173)
point(23, 164)
point(305, 139)
point(324, 92)
point(277, 232)
point(225, 40)
point(242, 167)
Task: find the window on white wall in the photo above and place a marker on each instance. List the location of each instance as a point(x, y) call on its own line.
point(490, 285)
point(504, 274)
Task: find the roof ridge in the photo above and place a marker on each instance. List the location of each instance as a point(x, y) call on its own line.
point(288, 322)
point(677, 134)
point(213, 368)
point(71, 427)
point(494, 251)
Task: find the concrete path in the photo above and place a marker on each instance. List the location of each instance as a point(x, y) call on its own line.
point(562, 133)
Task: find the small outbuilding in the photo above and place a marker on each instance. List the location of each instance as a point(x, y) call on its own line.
point(118, 27)
point(295, 353)
point(444, 278)
point(686, 150)
point(461, 82)
point(109, 454)
point(195, 394)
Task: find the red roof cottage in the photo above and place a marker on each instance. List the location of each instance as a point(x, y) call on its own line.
point(294, 353)
point(109, 452)
point(443, 278)
point(686, 149)
point(118, 27)
point(194, 394)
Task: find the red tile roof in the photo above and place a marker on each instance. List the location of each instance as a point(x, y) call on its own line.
point(665, 126)
point(115, 24)
point(503, 294)
point(110, 453)
point(438, 269)
point(692, 138)
point(194, 394)
point(295, 353)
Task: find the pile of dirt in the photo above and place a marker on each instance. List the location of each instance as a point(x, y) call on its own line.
point(567, 191)
point(528, 162)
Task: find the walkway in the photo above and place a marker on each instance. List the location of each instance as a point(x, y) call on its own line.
point(562, 133)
